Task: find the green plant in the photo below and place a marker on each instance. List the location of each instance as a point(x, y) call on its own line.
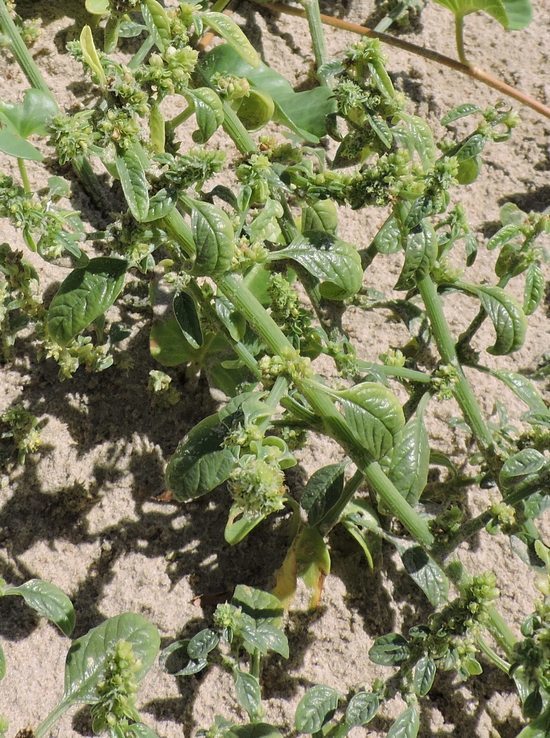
point(258, 278)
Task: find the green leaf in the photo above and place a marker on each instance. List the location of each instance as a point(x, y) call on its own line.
point(48, 601)
point(374, 414)
point(537, 728)
point(389, 650)
point(424, 675)
point(208, 112)
point(522, 470)
point(201, 462)
point(187, 316)
point(472, 147)
point(84, 296)
point(157, 22)
point(512, 14)
point(534, 289)
point(86, 660)
point(361, 709)
point(303, 112)
point(461, 111)
point(335, 263)
point(262, 622)
point(168, 345)
point(321, 215)
point(388, 240)
point(406, 725)
point(248, 693)
point(507, 317)
point(315, 708)
point(192, 666)
point(410, 461)
point(134, 182)
point(139, 730)
point(427, 574)
point(522, 388)
point(322, 492)
point(90, 55)
point(31, 116)
point(230, 31)
point(97, 7)
point(416, 135)
point(2, 663)
point(160, 206)
point(256, 110)
point(202, 643)
point(503, 236)
point(421, 252)
point(255, 730)
point(13, 145)
point(214, 238)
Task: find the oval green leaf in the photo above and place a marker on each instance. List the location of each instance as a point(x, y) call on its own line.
point(201, 462)
point(214, 238)
point(48, 601)
point(84, 296)
point(315, 708)
point(335, 263)
point(134, 182)
point(87, 657)
point(375, 415)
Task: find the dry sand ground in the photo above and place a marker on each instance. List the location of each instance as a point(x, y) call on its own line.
point(80, 513)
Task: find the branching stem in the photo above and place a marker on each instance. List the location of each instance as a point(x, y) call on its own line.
point(471, 71)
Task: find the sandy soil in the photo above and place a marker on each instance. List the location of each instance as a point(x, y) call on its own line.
point(81, 513)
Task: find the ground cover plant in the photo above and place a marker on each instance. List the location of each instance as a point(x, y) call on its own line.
point(237, 258)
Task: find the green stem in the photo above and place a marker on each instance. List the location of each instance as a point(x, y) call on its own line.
point(445, 343)
point(500, 630)
point(180, 118)
point(24, 176)
point(313, 15)
point(350, 488)
point(141, 53)
point(47, 724)
point(401, 372)
point(235, 129)
point(459, 36)
point(20, 51)
point(255, 664)
point(336, 426)
point(492, 656)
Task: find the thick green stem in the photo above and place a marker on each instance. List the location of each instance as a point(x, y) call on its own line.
point(24, 176)
point(180, 118)
point(20, 51)
point(318, 42)
point(336, 426)
point(459, 36)
point(255, 664)
point(47, 724)
point(445, 343)
point(141, 53)
point(492, 656)
point(400, 372)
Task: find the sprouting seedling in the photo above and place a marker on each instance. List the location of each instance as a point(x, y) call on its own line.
point(244, 632)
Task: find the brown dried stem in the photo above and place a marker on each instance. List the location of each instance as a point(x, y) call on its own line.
point(468, 69)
